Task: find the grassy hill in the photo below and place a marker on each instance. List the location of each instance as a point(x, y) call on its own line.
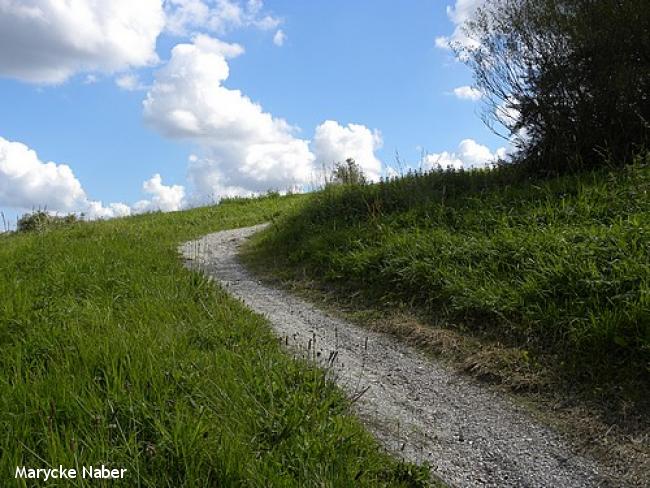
point(111, 352)
point(558, 269)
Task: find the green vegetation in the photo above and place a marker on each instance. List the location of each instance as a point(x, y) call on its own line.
point(572, 75)
point(40, 220)
point(113, 353)
point(559, 267)
point(348, 173)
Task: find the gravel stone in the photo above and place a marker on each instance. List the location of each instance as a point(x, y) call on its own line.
point(423, 411)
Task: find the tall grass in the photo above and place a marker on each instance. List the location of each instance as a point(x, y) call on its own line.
point(556, 265)
point(113, 353)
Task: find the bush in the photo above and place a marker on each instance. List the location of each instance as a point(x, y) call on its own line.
point(40, 220)
point(348, 173)
point(569, 79)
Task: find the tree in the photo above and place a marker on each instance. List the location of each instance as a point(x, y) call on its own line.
point(568, 79)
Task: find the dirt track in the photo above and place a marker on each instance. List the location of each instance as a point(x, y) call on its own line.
point(419, 409)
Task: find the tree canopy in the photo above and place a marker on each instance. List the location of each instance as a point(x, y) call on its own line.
point(568, 79)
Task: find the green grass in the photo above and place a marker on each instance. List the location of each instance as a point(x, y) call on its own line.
point(111, 352)
point(560, 267)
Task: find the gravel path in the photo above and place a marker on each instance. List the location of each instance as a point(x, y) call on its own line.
point(471, 436)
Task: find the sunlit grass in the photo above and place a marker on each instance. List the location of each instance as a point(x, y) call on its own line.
point(113, 353)
point(556, 265)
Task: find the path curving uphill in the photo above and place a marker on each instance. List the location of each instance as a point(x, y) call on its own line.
point(423, 411)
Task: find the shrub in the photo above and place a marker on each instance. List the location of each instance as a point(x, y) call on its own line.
point(569, 79)
point(40, 220)
point(348, 173)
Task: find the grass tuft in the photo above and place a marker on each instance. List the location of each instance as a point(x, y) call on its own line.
point(559, 267)
point(113, 353)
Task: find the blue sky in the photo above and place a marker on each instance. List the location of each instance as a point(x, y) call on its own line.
point(377, 64)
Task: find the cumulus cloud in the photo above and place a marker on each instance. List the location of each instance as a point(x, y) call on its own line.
point(46, 41)
point(130, 82)
point(460, 13)
point(470, 154)
point(468, 93)
point(27, 182)
point(208, 181)
point(245, 147)
point(163, 198)
point(219, 16)
point(90, 79)
point(279, 38)
point(210, 44)
point(95, 210)
point(333, 143)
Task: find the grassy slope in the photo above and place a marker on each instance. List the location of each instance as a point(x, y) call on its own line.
point(112, 352)
point(557, 267)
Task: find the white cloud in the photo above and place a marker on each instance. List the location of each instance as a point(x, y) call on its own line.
point(470, 154)
point(26, 182)
point(468, 93)
point(460, 13)
point(181, 14)
point(129, 82)
point(442, 42)
point(163, 198)
point(279, 38)
point(95, 210)
point(90, 79)
point(334, 143)
point(245, 147)
point(219, 16)
point(217, 46)
point(208, 182)
point(47, 41)
point(443, 160)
